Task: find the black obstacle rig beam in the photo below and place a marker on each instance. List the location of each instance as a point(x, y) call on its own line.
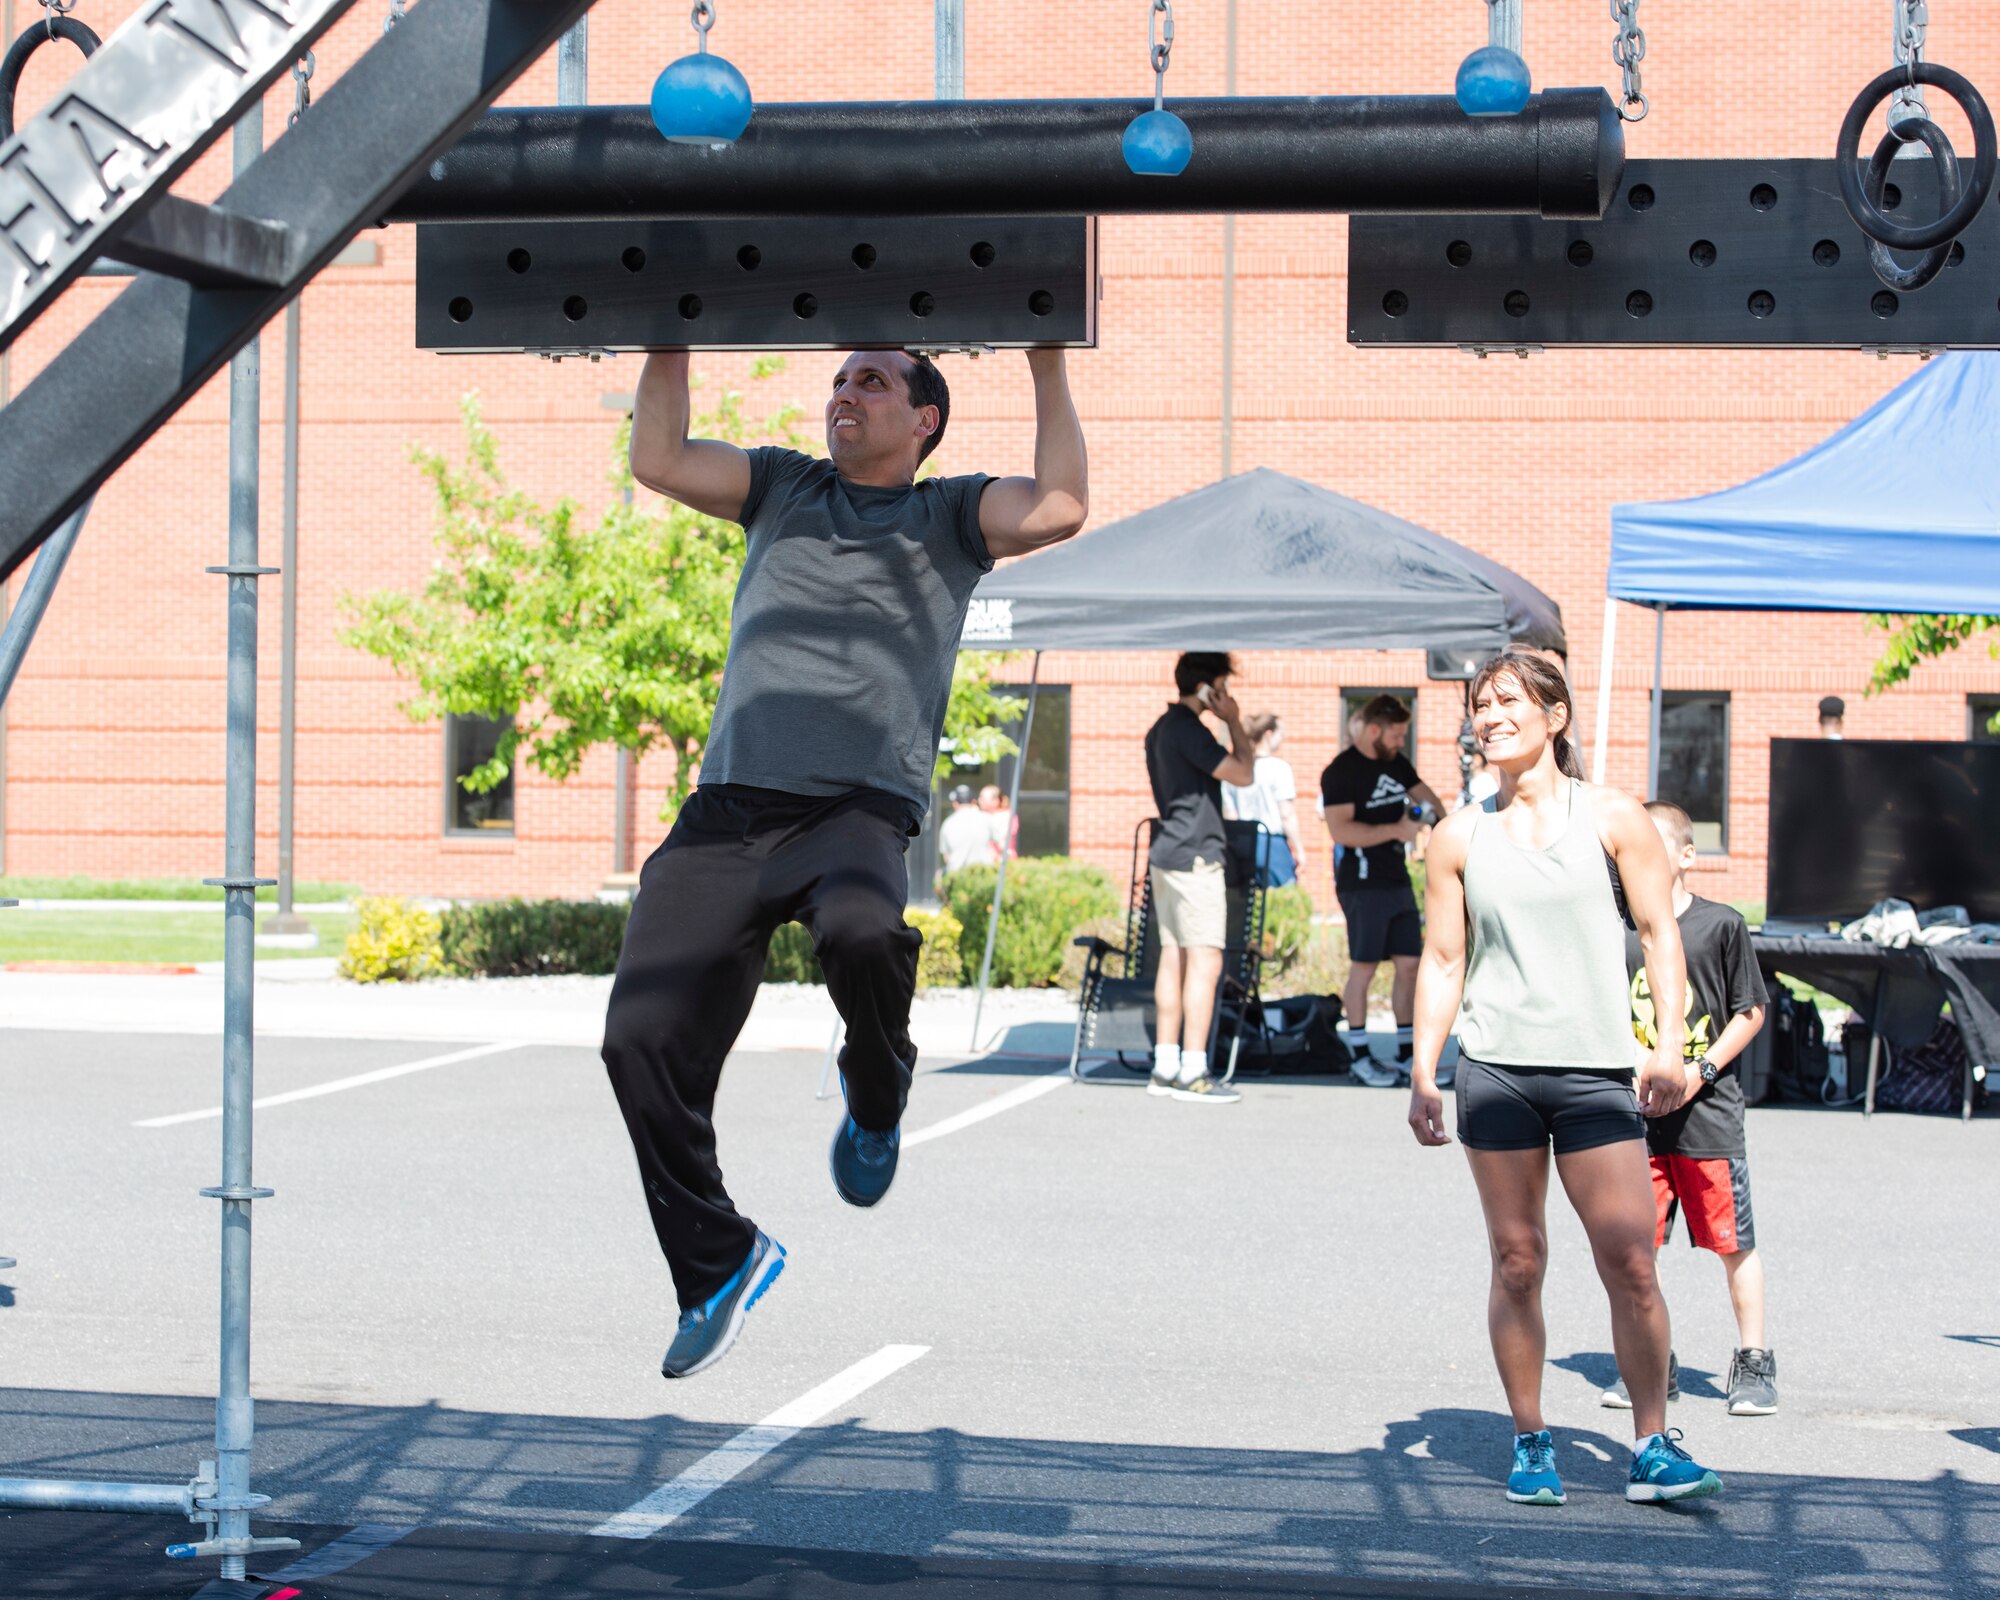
point(146, 354)
point(1706, 254)
point(1034, 158)
point(559, 288)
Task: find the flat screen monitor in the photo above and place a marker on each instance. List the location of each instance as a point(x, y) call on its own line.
point(1854, 821)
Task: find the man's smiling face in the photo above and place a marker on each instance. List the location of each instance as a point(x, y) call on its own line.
point(869, 418)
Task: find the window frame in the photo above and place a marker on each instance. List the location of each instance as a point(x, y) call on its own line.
point(1979, 709)
point(1672, 697)
point(453, 793)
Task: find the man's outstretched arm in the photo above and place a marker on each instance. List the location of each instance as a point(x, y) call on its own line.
point(1017, 515)
point(708, 475)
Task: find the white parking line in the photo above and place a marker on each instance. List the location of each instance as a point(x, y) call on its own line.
point(678, 1496)
point(1034, 1089)
point(359, 1081)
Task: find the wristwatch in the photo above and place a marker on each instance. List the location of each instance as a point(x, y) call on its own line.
point(1709, 1070)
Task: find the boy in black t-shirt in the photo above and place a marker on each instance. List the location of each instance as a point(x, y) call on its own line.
point(1700, 1162)
point(1369, 790)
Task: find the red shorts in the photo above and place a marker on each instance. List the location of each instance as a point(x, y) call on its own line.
point(1713, 1193)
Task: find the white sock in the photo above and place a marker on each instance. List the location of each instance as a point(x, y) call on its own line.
point(1357, 1041)
point(1166, 1061)
point(1194, 1065)
point(1639, 1445)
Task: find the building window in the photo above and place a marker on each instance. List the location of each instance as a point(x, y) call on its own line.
point(1044, 824)
point(469, 743)
point(1694, 764)
point(1980, 711)
point(1352, 700)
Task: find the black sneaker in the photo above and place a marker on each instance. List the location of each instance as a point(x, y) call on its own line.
point(708, 1330)
point(1753, 1383)
point(1616, 1399)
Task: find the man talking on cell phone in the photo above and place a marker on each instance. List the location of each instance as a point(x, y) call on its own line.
point(1371, 791)
point(815, 776)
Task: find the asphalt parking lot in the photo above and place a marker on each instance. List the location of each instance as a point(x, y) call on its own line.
point(1093, 1343)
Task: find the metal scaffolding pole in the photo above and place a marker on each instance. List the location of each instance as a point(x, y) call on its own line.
point(1006, 847)
point(287, 923)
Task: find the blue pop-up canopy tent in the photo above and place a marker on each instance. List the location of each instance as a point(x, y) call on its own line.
point(1899, 511)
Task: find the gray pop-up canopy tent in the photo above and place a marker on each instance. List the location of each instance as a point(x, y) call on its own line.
point(1259, 561)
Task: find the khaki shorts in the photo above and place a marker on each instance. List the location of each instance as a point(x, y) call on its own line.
point(1193, 906)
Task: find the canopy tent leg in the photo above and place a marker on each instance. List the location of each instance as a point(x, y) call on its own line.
point(1601, 741)
point(1659, 698)
point(1000, 881)
point(26, 617)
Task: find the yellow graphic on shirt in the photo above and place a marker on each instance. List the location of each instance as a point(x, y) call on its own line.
point(1645, 1026)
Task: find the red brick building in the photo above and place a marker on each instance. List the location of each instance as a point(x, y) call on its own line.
point(113, 742)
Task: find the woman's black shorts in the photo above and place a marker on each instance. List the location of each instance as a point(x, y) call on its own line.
point(1526, 1108)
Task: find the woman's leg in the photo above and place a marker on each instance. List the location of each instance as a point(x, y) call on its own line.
point(1514, 1192)
point(1612, 1189)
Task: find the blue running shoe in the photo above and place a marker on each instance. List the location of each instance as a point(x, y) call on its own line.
point(863, 1163)
point(1534, 1481)
point(1664, 1471)
point(708, 1330)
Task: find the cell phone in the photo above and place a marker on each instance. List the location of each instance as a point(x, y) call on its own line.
point(1204, 694)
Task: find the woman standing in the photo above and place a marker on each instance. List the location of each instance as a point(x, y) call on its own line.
point(1272, 799)
point(1524, 955)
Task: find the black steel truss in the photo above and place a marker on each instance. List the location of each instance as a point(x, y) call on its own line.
point(381, 124)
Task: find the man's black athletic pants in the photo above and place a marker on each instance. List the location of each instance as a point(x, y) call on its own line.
point(738, 862)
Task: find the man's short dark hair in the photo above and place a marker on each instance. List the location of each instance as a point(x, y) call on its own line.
point(1832, 706)
point(1201, 666)
point(962, 795)
point(928, 388)
point(1679, 825)
point(1384, 711)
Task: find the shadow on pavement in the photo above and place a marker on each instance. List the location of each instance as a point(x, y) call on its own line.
point(1421, 1508)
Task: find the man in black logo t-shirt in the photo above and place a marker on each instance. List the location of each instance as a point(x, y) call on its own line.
point(1368, 790)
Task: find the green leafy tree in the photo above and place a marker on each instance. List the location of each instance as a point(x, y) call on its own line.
point(582, 635)
point(1917, 639)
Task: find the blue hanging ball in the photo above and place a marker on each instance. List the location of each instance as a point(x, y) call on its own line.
point(1157, 144)
point(701, 99)
point(1492, 82)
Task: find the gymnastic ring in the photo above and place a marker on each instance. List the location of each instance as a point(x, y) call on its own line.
point(1912, 130)
point(1985, 157)
point(15, 62)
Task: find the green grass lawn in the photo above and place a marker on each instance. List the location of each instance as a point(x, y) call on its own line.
point(18, 888)
point(141, 936)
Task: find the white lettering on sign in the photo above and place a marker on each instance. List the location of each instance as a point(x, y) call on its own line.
point(156, 94)
point(990, 619)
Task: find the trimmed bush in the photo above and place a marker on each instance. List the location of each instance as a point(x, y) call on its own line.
point(1048, 899)
point(1287, 928)
point(940, 965)
point(791, 958)
point(392, 942)
point(533, 938)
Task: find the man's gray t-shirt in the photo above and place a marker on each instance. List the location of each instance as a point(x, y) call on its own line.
point(845, 630)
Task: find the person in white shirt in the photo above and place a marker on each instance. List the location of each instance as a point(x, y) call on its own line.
point(1272, 799)
point(966, 837)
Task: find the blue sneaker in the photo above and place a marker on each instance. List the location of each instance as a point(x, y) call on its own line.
point(863, 1163)
point(708, 1330)
point(1664, 1471)
point(1534, 1481)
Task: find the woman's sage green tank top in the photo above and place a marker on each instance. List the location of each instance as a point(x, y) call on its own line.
point(1545, 978)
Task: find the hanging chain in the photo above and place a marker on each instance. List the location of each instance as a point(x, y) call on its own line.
point(1628, 50)
point(703, 18)
point(1162, 42)
point(1913, 21)
point(302, 71)
point(52, 9)
point(395, 15)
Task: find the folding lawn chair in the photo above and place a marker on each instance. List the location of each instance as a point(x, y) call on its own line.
point(1115, 1017)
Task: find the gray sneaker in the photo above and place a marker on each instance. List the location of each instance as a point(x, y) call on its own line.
point(1373, 1073)
point(1616, 1399)
point(1157, 1084)
point(1753, 1384)
point(1206, 1090)
point(706, 1331)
